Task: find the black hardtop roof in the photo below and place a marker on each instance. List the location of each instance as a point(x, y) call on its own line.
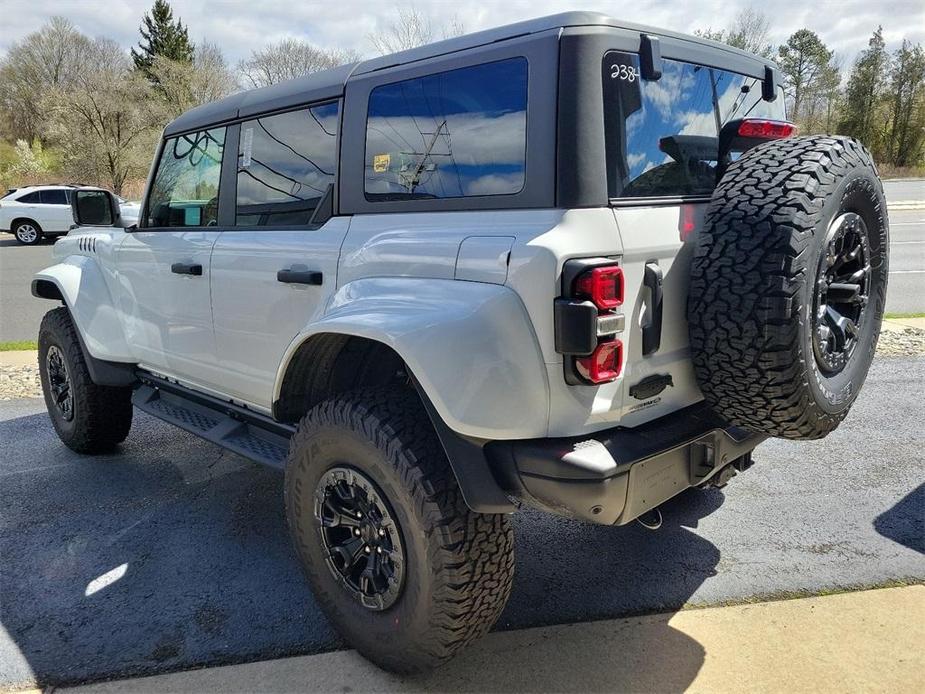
point(329, 84)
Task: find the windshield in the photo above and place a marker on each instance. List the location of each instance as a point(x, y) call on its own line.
point(663, 135)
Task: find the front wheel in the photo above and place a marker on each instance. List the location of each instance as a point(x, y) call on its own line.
point(27, 232)
point(88, 418)
point(401, 566)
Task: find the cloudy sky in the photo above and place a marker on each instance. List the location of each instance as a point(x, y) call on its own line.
point(240, 26)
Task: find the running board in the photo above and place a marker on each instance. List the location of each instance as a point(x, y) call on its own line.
point(242, 431)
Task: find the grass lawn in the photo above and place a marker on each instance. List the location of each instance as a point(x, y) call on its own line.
point(904, 315)
point(16, 346)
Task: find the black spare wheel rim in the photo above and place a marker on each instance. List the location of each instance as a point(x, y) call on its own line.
point(59, 382)
point(361, 537)
point(842, 289)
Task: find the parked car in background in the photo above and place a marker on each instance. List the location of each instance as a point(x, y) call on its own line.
point(33, 212)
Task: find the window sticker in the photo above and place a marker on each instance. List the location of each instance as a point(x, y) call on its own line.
point(381, 163)
point(247, 148)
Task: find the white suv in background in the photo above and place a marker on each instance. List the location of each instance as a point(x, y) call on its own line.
point(32, 212)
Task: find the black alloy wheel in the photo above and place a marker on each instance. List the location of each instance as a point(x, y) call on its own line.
point(361, 537)
point(59, 381)
point(841, 296)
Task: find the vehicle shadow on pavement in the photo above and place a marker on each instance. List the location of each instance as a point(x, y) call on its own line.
point(904, 523)
point(171, 554)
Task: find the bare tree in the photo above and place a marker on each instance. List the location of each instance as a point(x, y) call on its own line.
point(749, 31)
point(183, 85)
point(411, 29)
point(288, 59)
point(46, 59)
point(104, 120)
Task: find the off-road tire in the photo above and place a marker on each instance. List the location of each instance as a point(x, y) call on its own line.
point(754, 277)
point(459, 564)
point(102, 415)
point(32, 240)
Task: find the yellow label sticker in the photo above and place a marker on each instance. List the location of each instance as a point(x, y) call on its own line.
point(381, 163)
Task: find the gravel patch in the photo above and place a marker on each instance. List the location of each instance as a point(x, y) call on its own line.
point(908, 342)
point(19, 382)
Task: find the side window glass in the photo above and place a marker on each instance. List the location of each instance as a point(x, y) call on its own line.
point(30, 198)
point(54, 197)
point(185, 188)
point(452, 134)
point(285, 164)
point(662, 136)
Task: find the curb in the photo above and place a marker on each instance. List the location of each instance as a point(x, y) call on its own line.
point(906, 205)
point(856, 641)
point(26, 357)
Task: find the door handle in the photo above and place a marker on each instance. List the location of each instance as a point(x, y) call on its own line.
point(652, 333)
point(290, 276)
point(186, 269)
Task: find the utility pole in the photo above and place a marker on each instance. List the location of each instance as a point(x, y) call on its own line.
point(412, 180)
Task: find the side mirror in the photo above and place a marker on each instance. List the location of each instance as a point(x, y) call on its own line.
point(95, 207)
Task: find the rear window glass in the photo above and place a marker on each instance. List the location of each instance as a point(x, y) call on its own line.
point(285, 165)
point(662, 136)
point(54, 197)
point(452, 134)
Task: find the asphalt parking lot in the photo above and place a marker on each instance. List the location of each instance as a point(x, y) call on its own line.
point(173, 554)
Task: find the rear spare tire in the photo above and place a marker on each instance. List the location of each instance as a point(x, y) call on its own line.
point(788, 283)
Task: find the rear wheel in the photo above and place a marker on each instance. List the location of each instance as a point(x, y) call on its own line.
point(788, 284)
point(88, 418)
point(401, 566)
point(27, 232)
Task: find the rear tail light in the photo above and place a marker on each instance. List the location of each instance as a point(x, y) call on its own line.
point(587, 319)
point(604, 364)
point(603, 285)
point(766, 129)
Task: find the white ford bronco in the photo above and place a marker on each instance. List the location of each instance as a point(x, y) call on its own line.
point(572, 264)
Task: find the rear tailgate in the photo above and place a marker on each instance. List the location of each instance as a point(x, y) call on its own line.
point(655, 235)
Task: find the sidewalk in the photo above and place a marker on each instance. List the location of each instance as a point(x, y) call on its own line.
point(865, 641)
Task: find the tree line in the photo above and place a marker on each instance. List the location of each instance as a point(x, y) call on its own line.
point(82, 109)
point(879, 99)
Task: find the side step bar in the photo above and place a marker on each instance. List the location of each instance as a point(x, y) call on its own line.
point(242, 431)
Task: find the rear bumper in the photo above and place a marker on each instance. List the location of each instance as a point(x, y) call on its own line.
point(614, 476)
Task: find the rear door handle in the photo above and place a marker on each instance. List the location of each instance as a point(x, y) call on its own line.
point(652, 333)
point(186, 269)
point(290, 276)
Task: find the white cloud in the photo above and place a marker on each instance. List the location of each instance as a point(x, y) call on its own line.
point(635, 160)
point(240, 26)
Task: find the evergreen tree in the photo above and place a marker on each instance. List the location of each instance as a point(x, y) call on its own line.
point(162, 36)
point(865, 92)
point(807, 64)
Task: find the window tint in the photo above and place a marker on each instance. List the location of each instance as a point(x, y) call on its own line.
point(32, 198)
point(185, 188)
point(449, 135)
point(285, 164)
point(54, 196)
point(663, 135)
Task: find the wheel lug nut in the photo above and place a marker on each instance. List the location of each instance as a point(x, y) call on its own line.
point(366, 549)
point(359, 515)
point(356, 531)
point(378, 550)
point(381, 532)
